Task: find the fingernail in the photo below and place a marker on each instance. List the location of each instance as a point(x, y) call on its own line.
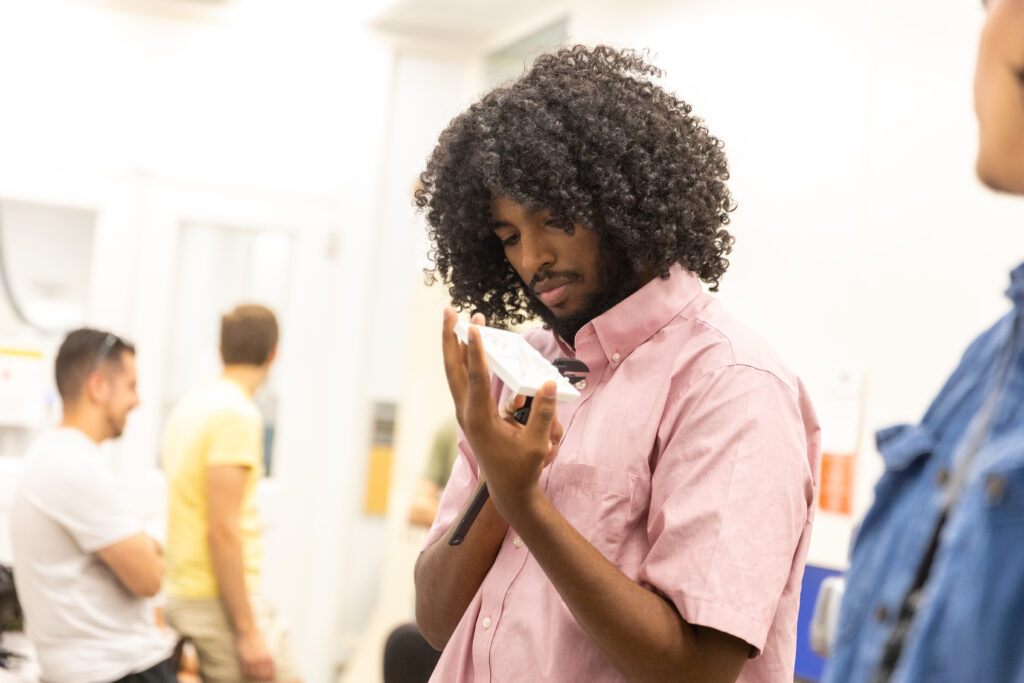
point(550, 391)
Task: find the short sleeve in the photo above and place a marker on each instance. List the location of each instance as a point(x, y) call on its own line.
point(86, 501)
point(236, 438)
point(731, 496)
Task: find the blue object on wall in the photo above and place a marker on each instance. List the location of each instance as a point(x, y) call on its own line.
point(809, 665)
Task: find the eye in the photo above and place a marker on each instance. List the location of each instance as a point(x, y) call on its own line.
point(509, 240)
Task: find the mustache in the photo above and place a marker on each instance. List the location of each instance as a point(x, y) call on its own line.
point(540, 277)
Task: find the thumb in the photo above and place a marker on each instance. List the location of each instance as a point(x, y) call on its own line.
point(542, 414)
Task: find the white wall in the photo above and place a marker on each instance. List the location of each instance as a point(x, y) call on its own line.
point(429, 87)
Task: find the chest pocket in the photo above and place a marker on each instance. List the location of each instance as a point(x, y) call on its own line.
point(595, 501)
point(1004, 495)
point(987, 561)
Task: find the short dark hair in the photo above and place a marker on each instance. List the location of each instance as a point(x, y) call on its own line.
point(81, 353)
point(248, 334)
point(587, 135)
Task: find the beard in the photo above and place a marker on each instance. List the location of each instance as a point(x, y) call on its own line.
point(617, 281)
point(116, 425)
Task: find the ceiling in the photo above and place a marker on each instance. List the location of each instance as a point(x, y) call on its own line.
point(476, 21)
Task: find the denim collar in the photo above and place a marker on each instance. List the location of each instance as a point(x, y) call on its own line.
point(1016, 288)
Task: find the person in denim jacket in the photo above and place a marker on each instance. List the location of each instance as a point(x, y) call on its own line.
point(935, 589)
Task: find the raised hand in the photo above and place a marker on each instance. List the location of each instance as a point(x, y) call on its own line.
point(511, 456)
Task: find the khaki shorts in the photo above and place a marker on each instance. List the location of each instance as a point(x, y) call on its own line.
point(206, 623)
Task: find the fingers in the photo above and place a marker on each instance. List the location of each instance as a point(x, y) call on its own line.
point(514, 403)
point(556, 432)
point(540, 424)
point(556, 440)
point(267, 668)
point(479, 402)
point(261, 669)
point(454, 357)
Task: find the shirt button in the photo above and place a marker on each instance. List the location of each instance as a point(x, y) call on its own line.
point(881, 614)
point(942, 477)
point(487, 623)
point(616, 357)
point(581, 385)
point(995, 487)
point(518, 542)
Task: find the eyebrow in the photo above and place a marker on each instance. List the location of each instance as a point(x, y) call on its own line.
point(501, 224)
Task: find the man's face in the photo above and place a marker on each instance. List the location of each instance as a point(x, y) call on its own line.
point(569, 276)
point(999, 97)
point(121, 395)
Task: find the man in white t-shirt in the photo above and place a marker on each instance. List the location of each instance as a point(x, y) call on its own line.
point(82, 565)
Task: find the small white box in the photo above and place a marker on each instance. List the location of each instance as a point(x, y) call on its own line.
point(518, 364)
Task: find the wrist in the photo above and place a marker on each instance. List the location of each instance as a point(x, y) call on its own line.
point(245, 629)
point(525, 508)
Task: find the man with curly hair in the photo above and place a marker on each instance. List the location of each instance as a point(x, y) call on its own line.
point(655, 529)
point(936, 579)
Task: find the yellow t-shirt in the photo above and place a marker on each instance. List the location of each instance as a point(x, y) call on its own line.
point(217, 425)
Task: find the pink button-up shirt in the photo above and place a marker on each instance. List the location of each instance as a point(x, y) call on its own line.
point(690, 462)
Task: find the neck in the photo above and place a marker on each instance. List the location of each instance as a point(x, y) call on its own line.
point(88, 422)
point(249, 376)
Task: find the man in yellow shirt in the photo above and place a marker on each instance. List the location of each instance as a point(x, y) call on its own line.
point(213, 459)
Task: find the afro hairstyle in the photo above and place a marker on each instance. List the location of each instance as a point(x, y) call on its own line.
point(586, 135)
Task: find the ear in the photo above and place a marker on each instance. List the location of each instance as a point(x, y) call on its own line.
point(271, 357)
point(97, 387)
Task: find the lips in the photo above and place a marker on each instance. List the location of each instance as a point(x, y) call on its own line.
point(552, 291)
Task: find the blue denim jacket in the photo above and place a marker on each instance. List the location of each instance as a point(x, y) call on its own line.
point(970, 624)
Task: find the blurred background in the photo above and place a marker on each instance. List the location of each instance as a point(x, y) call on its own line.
point(162, 160)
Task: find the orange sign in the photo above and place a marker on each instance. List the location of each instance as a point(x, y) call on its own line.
point(836, 493)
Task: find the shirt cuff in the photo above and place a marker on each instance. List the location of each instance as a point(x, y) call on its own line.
point(726, 619)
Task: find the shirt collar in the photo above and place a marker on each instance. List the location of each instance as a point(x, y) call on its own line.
point(1016, 288)
point(635, 319)
point(234, 383)
point(76, 434)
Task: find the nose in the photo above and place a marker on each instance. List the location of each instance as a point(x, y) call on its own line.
point(537, 252)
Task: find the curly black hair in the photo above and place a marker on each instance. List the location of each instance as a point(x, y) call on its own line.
point(586, 135)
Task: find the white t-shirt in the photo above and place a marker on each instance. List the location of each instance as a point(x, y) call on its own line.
point(86, 626)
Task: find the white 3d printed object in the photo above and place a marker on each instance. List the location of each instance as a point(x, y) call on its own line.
point(518, 364)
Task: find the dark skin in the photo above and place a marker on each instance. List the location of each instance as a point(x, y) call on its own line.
point(640, 633)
